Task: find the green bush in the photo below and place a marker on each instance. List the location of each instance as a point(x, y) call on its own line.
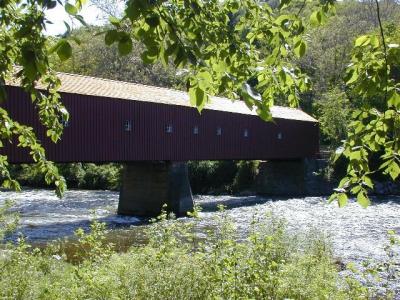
point(269, 263)
point(8, 219)
point(77, 175)
point(101, 176)
point(224, 176)
point(211, 176)
point(333, 111)
point(73, 173)
point(29, 175)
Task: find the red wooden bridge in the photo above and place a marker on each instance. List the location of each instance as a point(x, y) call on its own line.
point(113, 121)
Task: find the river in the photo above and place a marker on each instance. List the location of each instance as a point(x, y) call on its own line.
point(356, 233)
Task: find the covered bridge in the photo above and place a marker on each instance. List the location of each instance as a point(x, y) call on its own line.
point(113, 121)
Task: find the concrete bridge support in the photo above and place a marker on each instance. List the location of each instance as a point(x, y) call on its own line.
point(148, 185)
point(302, 177)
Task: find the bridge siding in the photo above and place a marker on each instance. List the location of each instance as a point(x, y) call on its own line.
point(96, 132)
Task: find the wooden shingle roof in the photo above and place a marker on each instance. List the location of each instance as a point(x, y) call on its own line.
point(93, 86)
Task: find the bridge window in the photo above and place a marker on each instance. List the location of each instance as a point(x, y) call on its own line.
point(279, 136)
point(246, 133)
point(168, 128)
point(196, 130)
point(219, 131)
point(128, 125)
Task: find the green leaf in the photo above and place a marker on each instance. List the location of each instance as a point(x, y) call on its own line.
point(163, 57)
point(180, 57)
point(342, 199)
point(125, 45)
point(197, 97)
point(264, 114)
point(64, 50)
point(352, 76)
point(362, 41)
point(300, 48)
point(363, 200)
point(394, 100)
point(111, 37)
point(355, 155)
point(71, 9)
point(204, 80)
point(282, 19)
point(81, 20)
point(368, 182)
point(51, 4)
point(132, 11)
point(171, 49)
point(283, 3)
point(332, 198)
point(148, 58)
point(115, 21)
point(316, 18)
point(68, 27)
point(394, 170)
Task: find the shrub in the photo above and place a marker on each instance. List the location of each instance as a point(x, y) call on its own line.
point(77, 175)
point(224, 176)
point(104, 177)
point(176, 263)
point(73, 173)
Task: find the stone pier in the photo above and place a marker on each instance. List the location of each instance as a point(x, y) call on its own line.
point(300, 177)
point(148, 185)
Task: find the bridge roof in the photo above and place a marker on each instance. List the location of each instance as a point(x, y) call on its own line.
point(94, 86)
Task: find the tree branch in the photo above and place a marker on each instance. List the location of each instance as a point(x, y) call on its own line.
point(384, 47)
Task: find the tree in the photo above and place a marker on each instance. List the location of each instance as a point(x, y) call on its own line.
point(107, 63)
point(375, 129)
point(329, 47)
point(333, 112)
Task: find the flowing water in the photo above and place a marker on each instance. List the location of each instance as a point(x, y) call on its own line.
point(356, 233)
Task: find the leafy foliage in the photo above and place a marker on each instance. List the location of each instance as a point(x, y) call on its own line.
point(107, 63)
point(236, 49)
point(77, 175)
point(330, 45)
point(333, 111)
point(23, 43)
point(374, 128)
point(8, 219)
point(267, 263)
point(224, 176)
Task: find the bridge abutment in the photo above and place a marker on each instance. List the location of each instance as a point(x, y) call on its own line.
point(148, 185)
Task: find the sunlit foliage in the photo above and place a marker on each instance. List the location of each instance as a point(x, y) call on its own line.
point(178, 263)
